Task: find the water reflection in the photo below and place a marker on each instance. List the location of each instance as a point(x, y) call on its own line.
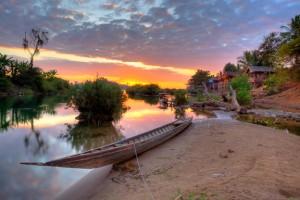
point(24, 110)
point(83, 137)
point(41, 129)
point(152, 100)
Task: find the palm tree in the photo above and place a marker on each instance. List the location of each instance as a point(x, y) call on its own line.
point(249, 58)
point(290, 48)
point(292, 30)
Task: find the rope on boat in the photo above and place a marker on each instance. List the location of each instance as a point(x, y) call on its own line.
point(141, 174)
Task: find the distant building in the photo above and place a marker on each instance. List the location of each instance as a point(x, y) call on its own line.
point(257, 74)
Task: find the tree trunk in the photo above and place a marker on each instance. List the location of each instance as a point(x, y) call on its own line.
point(205, 88)
point(297, 60)
point(31, 61)
point(235, 103)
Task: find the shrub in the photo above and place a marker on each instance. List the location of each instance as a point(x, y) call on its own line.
point(98, 101)
point(149, 89)
point(55, 85)
point(180, 97)
point(243, 89)
point(274, 82)
point(5, 84)
point(210, 97)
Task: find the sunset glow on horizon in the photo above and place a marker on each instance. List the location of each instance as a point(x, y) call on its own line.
point(140, 42)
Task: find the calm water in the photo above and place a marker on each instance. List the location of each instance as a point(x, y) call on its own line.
point(41, 129)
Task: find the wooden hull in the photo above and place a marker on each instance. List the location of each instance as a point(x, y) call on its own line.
point(122, 150)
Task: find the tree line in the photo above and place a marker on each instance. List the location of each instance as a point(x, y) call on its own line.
point(20, 77)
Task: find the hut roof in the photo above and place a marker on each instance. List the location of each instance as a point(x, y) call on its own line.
point(254, 69)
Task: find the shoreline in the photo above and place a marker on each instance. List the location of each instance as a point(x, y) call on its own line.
point(214, 158)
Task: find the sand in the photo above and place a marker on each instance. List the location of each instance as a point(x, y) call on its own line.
point(213, 159)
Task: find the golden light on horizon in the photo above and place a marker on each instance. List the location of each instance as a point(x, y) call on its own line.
point(161, 74)
point(47, 54)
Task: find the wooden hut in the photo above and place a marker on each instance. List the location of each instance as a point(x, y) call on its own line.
point(257, 74)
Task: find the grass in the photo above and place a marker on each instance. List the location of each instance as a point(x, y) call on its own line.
point(190, 196)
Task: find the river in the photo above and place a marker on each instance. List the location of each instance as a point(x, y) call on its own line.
point(40, 129)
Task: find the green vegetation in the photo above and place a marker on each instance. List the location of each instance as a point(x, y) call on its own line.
point(149, 90)
point(86, 137)
point(180, 97)
point(280, 123)
point(152, 100)
point(26, 109)
point(191, 196)
point(274, 82)
point(197, 81)
point(98, 101)
point(209, 97)
point(277, 50)
point(18, 77)
point(243, 89)
point(229, 67)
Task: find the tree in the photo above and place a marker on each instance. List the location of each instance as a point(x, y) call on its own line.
point(268, 50)
point(36, 41)
point(290, 48)
point(250, 58)
point(198, 81)
point(50, 75)
point(229, 67)
point(201, 76)
point(98, 101)
point(292, 30)
point(180, 98)
point(4, 63)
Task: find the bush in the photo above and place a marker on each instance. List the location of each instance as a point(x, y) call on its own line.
point(150, 89)
point(243, 89)
point(55, 85)
point(275, 81)
point(210, 97)
point(98, 101)
point(5, 84)
point(180, 97)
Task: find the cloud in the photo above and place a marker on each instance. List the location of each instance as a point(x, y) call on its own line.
point(55, 55)
point(182, 34)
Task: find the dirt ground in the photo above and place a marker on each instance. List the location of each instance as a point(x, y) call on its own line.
point(288, 100)
point(213, 159)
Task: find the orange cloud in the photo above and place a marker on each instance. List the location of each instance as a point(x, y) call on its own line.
point(124, 72)
point(50, 54)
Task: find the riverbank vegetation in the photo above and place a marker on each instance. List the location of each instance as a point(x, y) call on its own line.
point(20, 78)
point(180, 98)
point(281, 51)
point(143, 90)
point(243, 89)
point(98, 101)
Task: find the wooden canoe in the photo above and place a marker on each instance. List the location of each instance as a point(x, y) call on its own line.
point(119, 151)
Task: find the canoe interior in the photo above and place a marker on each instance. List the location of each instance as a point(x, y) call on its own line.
point(119, 151)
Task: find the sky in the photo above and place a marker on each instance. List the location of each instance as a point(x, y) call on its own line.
point(141, 41)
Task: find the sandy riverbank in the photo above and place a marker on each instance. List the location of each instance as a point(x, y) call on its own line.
point(222, 159)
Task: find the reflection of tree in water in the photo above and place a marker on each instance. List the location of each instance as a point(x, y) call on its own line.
point(83, 137)
point(37, 145)
point(179, 112)
point(152, 100)
point(24, 110)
